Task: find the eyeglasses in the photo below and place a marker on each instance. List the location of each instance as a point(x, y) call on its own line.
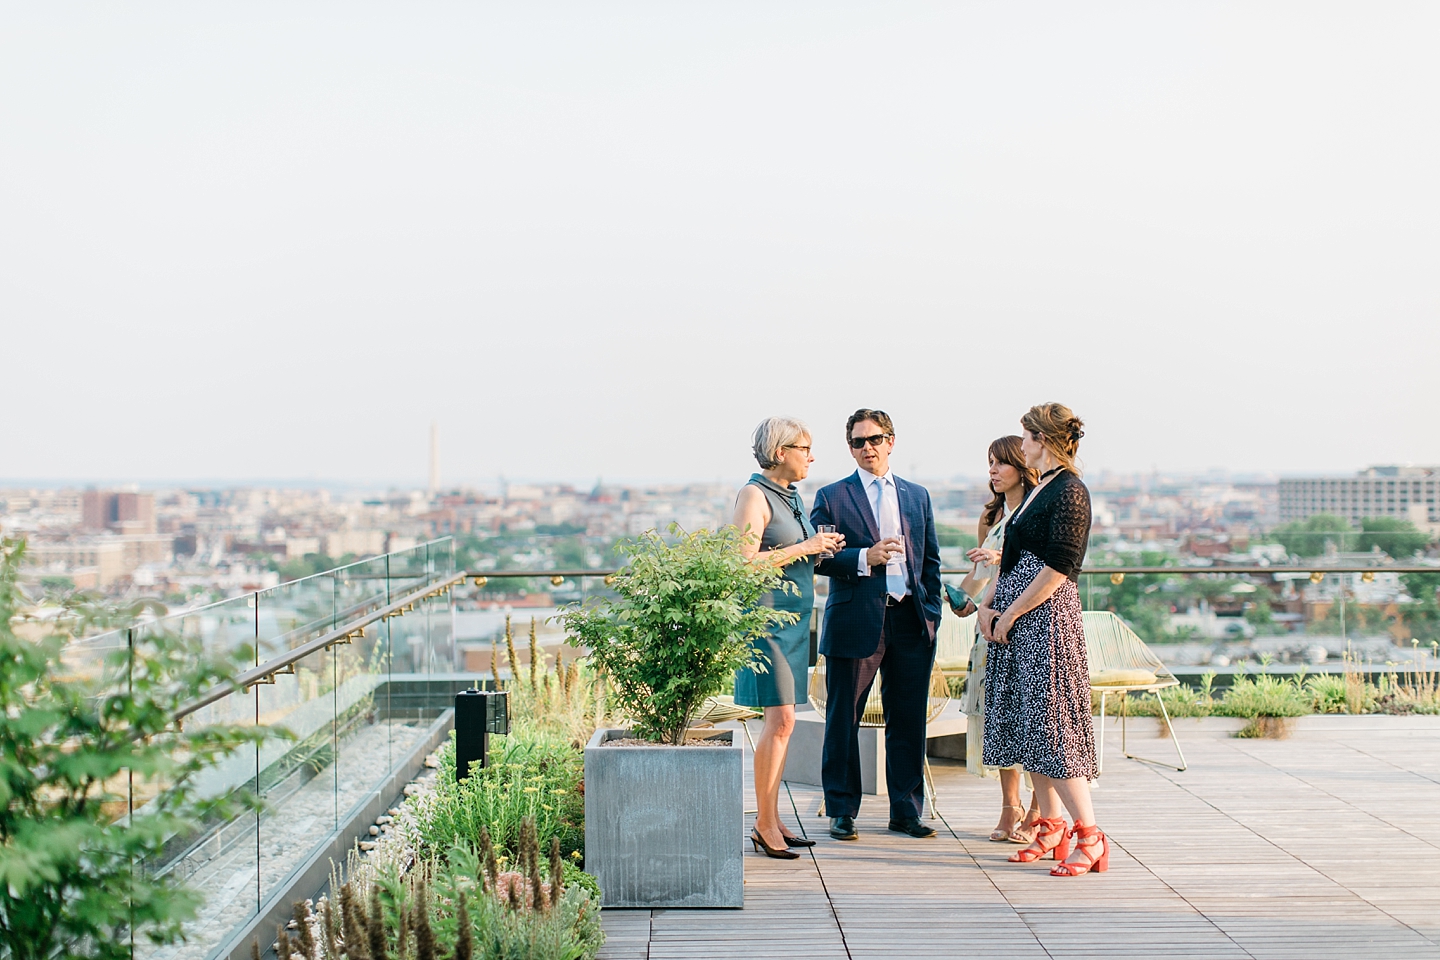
point(796, 446)
point(875, 439)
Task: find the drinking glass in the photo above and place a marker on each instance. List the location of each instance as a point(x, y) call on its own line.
point(826, 528)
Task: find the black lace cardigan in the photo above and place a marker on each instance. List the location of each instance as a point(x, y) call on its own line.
point(1055, 527)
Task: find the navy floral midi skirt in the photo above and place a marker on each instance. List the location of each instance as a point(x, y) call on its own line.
point(1037, 686)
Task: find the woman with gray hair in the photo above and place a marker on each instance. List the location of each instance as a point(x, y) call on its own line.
point(772, 515)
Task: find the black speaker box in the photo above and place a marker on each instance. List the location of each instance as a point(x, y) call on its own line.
point(478, 714)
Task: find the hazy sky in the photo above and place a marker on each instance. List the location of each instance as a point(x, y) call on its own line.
point(256, 240)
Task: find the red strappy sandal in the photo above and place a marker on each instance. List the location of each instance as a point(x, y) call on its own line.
point(1085, 837)
point(1051, 838)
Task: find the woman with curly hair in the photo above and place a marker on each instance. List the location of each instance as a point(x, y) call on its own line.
point(1037, 685)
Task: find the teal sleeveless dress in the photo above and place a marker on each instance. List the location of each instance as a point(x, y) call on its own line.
point(787, 649)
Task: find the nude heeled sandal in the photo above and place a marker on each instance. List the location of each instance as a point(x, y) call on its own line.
point(1007, 836)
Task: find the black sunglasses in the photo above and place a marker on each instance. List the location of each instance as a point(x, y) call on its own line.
point(875, 439)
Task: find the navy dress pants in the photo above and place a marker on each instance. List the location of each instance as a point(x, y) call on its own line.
point(904, 660)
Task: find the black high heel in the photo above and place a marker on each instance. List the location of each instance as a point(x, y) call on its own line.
point(798, 841)
point(758, 842)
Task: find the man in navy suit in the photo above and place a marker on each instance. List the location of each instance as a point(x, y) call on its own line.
point(881, 616)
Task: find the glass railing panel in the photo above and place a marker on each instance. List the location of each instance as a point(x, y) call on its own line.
point(443, 656)
point(361, 588)
point(294, 613)
point(362, 735)
point(297, 774)
point(442, 557)
point(410, 640)
point(93, 657)
point(222, 627)
point(217, 858)
point(440, 646)
point(409, 570)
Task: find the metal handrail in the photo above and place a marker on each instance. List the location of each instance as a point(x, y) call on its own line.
point(266, 672)
point(1097, 571)
point(349, 611)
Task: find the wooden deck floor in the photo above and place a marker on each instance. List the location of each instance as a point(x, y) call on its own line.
point(1323, 845)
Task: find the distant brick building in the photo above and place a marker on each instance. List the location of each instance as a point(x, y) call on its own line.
point(120, 512)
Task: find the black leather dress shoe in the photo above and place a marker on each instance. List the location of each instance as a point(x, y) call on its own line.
point(843, 828)
point(910, 825)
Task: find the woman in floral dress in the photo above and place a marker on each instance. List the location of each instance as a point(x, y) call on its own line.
point(1037, 689)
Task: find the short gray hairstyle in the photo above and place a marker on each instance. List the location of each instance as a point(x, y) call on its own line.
point(773, 435)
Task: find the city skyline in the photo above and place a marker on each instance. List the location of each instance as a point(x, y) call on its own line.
point(423, 479)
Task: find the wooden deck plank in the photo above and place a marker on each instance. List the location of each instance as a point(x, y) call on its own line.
point(1319, 846)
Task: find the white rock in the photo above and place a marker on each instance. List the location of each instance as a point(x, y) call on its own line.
point(367, 845)
point(374, 831)
point(384, 820)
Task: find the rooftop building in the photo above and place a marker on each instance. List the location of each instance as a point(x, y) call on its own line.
point(1405, 492)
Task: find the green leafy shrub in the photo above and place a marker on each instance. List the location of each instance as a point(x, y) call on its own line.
point(71, 744)
point(1264, 695)
point(681, 624)
point(1329, 693)
point(530, 774)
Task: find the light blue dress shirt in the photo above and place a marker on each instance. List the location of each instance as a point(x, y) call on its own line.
point(885, 506)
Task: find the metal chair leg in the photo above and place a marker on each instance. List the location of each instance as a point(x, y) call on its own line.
point(1165, 714)
point(750, 737)
point(1100, 737)
point(930, 792)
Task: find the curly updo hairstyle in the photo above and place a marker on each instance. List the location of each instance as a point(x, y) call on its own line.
point(1059, 429)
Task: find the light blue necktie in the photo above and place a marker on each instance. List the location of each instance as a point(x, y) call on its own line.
point(894, 575)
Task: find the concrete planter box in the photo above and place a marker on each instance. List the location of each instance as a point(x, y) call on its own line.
point(664, 825)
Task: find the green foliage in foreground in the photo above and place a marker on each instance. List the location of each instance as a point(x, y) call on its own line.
point(681, 624)
point(70, 742)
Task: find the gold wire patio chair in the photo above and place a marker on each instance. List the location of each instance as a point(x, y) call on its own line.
point(1121, 664)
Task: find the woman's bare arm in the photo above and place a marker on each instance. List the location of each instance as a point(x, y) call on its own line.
point(752, 516)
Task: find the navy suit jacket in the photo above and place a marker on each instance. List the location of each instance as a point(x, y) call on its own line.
point(855, 609)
